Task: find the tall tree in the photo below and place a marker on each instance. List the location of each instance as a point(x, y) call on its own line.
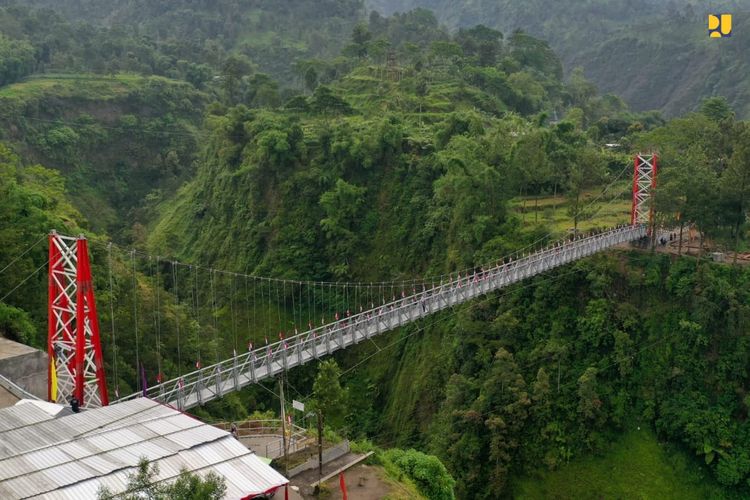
point(584, 173)
point(235, 67)
point(329, 398)
point(735, 185)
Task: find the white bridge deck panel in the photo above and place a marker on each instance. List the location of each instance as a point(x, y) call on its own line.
point(211, 382)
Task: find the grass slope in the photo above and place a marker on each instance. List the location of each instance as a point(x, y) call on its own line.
point(636, 466)
point(117, 138)
point(85, 86)
point(600, 211)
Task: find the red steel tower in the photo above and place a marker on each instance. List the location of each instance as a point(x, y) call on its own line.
point(75, 352)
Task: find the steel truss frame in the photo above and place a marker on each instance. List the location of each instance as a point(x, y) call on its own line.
point(644, 183)
point(73, 325)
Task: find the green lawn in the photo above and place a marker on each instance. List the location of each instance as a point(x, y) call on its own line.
point(636, 467)
point(88, 86)
point(553, 211)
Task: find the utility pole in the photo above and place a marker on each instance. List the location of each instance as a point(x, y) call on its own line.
point(283, 425)
point(320, 447)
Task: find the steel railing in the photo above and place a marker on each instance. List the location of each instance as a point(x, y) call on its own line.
point(211, 382)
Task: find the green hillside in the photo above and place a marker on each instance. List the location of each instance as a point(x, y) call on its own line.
point(637, 465)
point(273, 34)
point(230, 143)
point(118, 139)
point(654, 54)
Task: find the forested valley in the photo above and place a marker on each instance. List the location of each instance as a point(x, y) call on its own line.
point(323, 141)
point(651, 53)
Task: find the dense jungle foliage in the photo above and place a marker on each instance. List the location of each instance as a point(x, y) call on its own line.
point(654, 54)
point(385, 149)
point(178, 39)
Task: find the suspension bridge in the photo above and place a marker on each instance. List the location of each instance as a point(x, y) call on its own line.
point(74, 340)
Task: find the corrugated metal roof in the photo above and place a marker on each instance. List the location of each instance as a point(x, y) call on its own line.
point(74, 455)
point(14, 417)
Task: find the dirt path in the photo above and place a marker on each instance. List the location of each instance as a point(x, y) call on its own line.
point(363, 482)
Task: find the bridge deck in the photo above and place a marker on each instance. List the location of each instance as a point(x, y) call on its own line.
point(211, 382)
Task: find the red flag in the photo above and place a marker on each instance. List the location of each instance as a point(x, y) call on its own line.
point(342, 484)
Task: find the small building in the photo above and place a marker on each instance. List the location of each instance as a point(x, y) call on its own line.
point(48, 452)
point(23, 372)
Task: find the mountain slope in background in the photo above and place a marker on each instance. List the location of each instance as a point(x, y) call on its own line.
point(654, 54)
point(272, 33)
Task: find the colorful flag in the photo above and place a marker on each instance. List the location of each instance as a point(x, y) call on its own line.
point(53, 380)
point(342, 484)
